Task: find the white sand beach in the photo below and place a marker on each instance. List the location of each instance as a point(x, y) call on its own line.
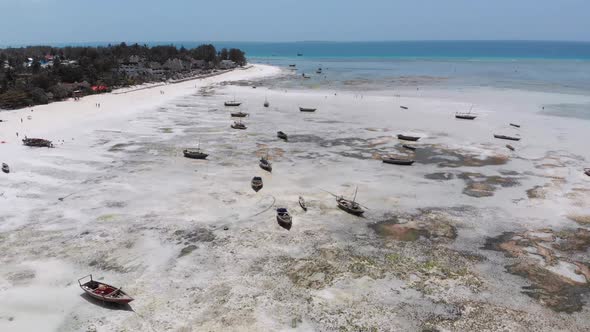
point(199, 250)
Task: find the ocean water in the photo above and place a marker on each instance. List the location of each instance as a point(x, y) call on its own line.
point(539, 66)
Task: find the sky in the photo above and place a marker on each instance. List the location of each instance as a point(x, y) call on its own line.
point(62, 21)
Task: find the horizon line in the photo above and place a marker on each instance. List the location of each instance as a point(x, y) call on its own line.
point(131, 42)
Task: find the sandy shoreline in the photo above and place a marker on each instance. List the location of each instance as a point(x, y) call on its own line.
point(188, 240)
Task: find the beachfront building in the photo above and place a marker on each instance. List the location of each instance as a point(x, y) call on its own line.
point(227, 64)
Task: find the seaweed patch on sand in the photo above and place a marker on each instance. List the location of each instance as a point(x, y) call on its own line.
point(555, 263)
point(480, 185)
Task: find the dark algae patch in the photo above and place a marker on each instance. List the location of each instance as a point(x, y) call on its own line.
point(428, 224)
point(555, 264)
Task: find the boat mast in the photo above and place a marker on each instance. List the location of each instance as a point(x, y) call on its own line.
point(355, 191)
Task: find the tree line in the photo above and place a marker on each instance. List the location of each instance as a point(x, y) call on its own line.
point(36, 74)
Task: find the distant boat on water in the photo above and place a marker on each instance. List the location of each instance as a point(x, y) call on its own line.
point(307, 109)
point(265, 164)
point(515, 125)
point(238, 125)
point(466, 116)
point(256, 183)
point(5, 168)
point(302, 203)
point(510, 138)
point(239, 114)
point(284, 218)
point(397, 161)
point(587, 171)
point(299, 54)
point(266, 103)
point(194, 154)
point(408, 138)
point(282, 135)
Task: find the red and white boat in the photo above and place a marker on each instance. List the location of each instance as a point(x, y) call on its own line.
point(104, 292)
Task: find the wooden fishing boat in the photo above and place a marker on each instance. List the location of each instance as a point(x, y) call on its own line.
point(256, 183)
point(349, 206)
point(37, 142)
point(239, 114)
point(265, 164)
point(104, 292)
point(408, 138)
point(232, 103)
point(510, 138)
point(403, 107)
point(465, 116)
point(293, 66)
point(510, 147)
point(302, 203)
point(5, 168)
point(282, 135)
point(587, 171)
point(284, 218)
point(194, 154)
point(409, 147)
point(515, 125)
point(306, 109)
point(239, 125)
point(396, 161)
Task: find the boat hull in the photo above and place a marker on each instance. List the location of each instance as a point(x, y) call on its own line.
point(229, 104)
point(357, 213)
point(238, 127)
point(197, 155)
point(409, 147)
point(308, 110)
point(510, 138)
point(398, 162)
point(408, 138)
point(465, 117)
point(302, 203)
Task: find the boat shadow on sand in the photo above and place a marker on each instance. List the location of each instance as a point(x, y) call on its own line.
point(106, 305)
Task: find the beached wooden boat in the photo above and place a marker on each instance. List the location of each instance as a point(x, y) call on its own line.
point(408, 138)
point(282, 135)
point(239, 125)
point(256, 183)
point(265, 164)
point(194, 154)
point(510, 138)
point(396, 161)
point(409, 147)
point(104, 292)
point(349, 206)
point(515, 125)
point(403, 107)
point(239, 114)
point(37, 142)
point(510, 147)
point(465, 116)
point(587, 171)
point(232, 103)
point(306, 109)
point(284, 218)
point(302, 203)
point(5, 168)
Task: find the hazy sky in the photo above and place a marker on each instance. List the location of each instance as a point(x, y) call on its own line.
point(38, 21)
